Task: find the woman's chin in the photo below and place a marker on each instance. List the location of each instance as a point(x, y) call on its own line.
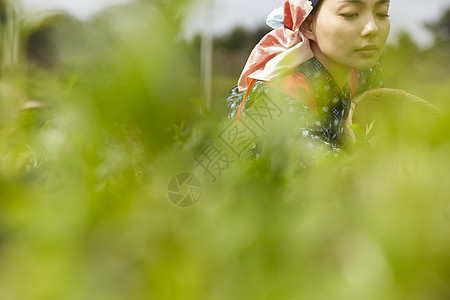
point(365, 65)
point(365, 61)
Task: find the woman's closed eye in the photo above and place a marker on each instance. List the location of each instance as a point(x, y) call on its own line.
point(349, 15)
point(382, 15)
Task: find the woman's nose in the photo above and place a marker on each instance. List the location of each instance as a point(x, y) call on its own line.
point(370, 27)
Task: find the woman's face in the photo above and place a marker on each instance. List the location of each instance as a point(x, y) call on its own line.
point(350, 33)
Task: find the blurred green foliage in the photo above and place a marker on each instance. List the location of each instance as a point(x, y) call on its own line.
point(91, 135)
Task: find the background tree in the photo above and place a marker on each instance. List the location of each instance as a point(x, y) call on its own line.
point(441, 28)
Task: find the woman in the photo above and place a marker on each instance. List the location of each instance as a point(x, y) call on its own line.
point(322, 54)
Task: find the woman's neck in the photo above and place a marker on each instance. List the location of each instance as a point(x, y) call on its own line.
point(340, 73)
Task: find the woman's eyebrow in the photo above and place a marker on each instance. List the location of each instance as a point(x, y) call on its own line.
point(354, 1)
point(362, 3)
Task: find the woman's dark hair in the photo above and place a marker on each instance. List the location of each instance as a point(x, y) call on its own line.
point(313, 14)
point(316, 9)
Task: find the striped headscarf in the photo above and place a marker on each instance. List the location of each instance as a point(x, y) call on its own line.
point(283, 48)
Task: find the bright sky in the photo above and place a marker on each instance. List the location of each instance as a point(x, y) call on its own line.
point(407, 15)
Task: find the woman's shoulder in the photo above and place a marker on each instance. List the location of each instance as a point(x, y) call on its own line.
point(235, 97)
point(263, 94)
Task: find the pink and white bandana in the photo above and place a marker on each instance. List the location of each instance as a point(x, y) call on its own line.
point(282, 49)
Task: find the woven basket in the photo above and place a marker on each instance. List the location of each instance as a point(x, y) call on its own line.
point(389, 105)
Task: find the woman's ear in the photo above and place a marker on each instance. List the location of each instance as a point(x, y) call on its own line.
point(307, 29)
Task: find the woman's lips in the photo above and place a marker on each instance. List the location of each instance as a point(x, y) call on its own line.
point(367, 50)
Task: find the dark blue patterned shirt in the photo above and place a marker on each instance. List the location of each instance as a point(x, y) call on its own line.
point(324, 129)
